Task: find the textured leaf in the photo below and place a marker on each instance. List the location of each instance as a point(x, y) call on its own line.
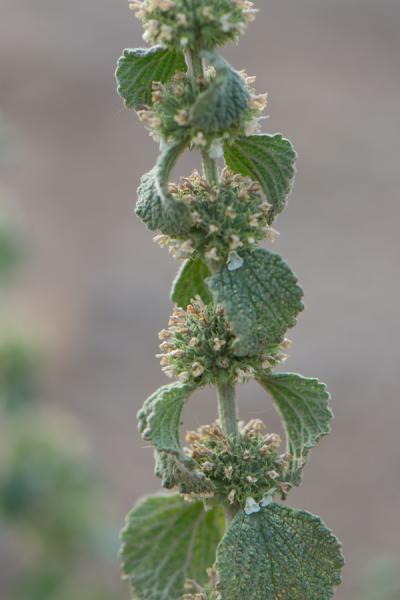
point(166, 541)
point(303, 405)
point(190, 282)
point(159, 423)
point(155, 205)
point(139, 67)
point(160, 418)
point(278, 554)
point(268, 159)
point(224, 102)
point(261, 300)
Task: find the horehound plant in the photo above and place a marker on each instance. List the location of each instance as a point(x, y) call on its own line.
point(222, 536)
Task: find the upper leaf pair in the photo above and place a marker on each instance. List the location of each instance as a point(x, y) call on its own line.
point(217, 108)
point(264, 158)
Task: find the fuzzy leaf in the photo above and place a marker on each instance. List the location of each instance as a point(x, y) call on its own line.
point(166, 541)
point(159, 423)
point(138, 68)
point(225, 101)
point(268, 159)
point(278, 553)
point(303, 405)
point(261, 300)
point(190, 282)
point(160, 418)
point(155, 205)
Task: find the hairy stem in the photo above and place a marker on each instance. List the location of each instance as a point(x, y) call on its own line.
point(228, 415)
point(227, 408)
point(196, 68)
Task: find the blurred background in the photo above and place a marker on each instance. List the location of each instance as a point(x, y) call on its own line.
point(84, 290)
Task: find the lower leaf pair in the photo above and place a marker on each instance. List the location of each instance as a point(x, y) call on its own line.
point(276, 553)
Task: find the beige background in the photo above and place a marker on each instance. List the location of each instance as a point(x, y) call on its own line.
point(95, 286)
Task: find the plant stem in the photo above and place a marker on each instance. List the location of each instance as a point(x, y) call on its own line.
point(227, 408)
point(196, 68)
point(210, 168)
point(228, 415)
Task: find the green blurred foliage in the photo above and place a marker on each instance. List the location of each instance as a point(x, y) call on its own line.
point(55, 543)
point(10, 251)
point(18, 373)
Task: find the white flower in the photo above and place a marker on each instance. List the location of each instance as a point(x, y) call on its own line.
point(271, 234)
point(197, 369)
point(236, 242)
point(199, 139)
point(218, 344)
point(182, 117)
point(267, 500)
point(231, 496)
point(251, 506)
point(216, 150)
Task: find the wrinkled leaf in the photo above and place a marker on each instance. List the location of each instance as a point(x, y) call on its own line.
point(138, 68)
point(303, 405)
point(155, 205)
point(224, 102)
point(278, 553)
point(160, 418)
point(261, 300)
point(268, 159)
point(159, 423)
point(190, 282)
point(166, 541)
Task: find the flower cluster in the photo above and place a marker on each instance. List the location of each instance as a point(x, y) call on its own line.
point(226, 218)
point(246, 469)
point(197, 348)
point(206, 23)
point(169, 117)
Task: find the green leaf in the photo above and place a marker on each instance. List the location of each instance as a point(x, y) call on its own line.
point(261, 300)
point(190, 282)
point(303, 405)
point(166, 541)
point(10, 251)
point(155, 205)
point(138, 68)
point(224, 102)
point(159, 423)
point(160, 418)
point(268, 159)
point(278, 553)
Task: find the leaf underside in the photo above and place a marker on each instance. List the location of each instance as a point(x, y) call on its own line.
point(261, 300)
point(166, 541)
point(278, 554)
point(138, 68)
point(159, 423)
point(155, 205)
point(303, 405)
point(190, 282)
point(160, 417)
point(268, 159)
point(223, 104)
